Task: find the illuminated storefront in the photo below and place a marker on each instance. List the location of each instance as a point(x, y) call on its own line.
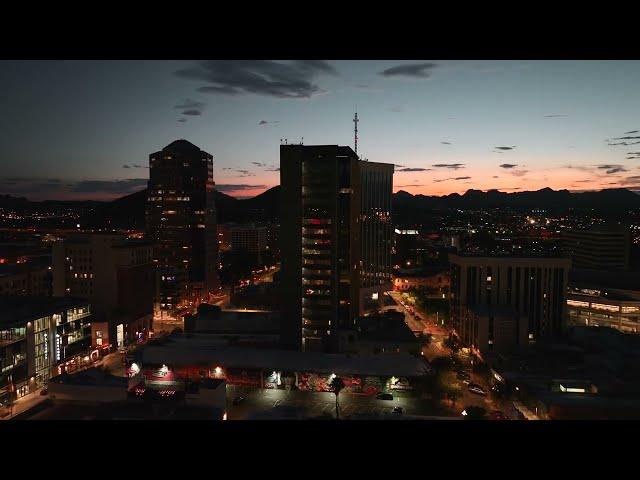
point(40, 337)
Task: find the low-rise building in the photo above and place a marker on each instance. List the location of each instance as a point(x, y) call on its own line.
point(41, 337)
point(197, 356)
point(116, 275)
point(598, 298)
point(235, 327)
point(32, 277)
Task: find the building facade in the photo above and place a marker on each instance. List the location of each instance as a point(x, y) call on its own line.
point(249, 238)
point(599, 248)
point(376, 233)
point(40, 337)
point(535, 287)
point(320, 243)
point(116, 275)
point(30, 278)
point(181, 220)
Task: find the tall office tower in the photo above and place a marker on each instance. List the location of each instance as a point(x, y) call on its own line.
point(534, 287)
point(181, 220)
point(320, 244)
point(599, 248)
point(116, 276)
point(376, 233)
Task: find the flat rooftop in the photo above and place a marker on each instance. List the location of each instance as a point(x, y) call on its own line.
point(91, 377)
point(181, 351)
point(16, 309)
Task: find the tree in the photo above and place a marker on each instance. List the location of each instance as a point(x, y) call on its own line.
point(336, 385)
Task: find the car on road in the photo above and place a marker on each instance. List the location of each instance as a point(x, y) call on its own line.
point(238, 400)
point(384, 396)
point(477, 389)
point(397, 411)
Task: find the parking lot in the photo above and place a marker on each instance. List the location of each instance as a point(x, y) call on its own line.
point(318, 404)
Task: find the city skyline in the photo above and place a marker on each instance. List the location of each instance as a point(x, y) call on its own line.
point(448, 126)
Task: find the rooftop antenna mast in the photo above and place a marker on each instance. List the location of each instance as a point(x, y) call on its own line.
point(355, 130)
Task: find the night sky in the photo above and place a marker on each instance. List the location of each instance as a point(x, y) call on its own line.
point(85, 129)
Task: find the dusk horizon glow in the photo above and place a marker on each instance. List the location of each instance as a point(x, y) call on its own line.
point(83, 130)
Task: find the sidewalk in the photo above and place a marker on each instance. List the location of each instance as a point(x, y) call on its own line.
point(23, 404)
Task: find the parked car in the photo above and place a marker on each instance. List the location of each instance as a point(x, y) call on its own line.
point(397, 410)
point(238, 400)
point(477, 389)
point(384, 396)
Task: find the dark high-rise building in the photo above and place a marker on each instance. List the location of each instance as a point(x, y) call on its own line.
point(531, 287)
point(181, 219)
point(335, 238)
point(376, 233)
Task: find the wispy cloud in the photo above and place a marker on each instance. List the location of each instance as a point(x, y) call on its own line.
point(411, 70)
point(505, 148)
point(509, 165)
point(446, 143)
point(191, 108)
point(413, 169)
point(365, 86)
point(267, 122)
point(610, 169)
point(454, 166)
point(291, 79)
point(555, 116)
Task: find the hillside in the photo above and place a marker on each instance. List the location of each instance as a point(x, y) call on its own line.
point(128, 211)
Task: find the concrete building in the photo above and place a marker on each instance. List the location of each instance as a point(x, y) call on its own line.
point(331, 200)
point(535, 287)
point(249, 238)
point(40, 337)
point(181, 220)
point(599, 248)
point(116, 276)
point(598, 298)
point(498, 329)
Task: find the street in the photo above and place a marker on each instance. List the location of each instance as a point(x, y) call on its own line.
point(436, 348)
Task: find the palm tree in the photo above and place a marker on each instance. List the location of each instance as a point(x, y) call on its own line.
point(336, 385)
